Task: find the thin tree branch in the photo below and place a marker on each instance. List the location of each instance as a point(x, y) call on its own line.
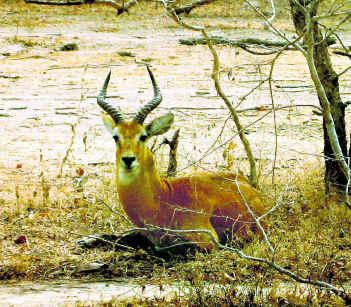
point(344, 71)
point(253, 215)
point(347, 54)
point(234, 114)
point(348, 13)
point(274, 117)
point(274, 12)
point(215, 76)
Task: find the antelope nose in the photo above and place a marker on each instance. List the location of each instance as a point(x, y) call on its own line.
point(128, 161)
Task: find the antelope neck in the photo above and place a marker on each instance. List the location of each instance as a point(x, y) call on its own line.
point(139, 194)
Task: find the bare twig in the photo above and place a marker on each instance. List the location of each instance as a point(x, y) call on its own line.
point(234, 114)
point(270, 79)
point(274, 11)
point(347, 13)
point(220, 92)
point(68, 150)
point(242, 98)
point(213, 149)
point(274, 116)
point(347, 54)
point(254, 217)
point(344, 71)
point(73, 126)
point(255, 52)
point(275, 207)
point(276, 108)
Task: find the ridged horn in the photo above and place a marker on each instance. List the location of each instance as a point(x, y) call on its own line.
point(151, 105)
point(101, 100)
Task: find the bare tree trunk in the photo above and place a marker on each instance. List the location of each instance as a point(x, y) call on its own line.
point(335, 179)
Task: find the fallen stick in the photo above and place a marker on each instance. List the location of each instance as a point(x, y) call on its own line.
point(121, 8)
point(242, 42)
point(63, 2)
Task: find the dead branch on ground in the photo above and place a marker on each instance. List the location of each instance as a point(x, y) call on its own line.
point(244, 43)
point(121, 8)
point(220, 40)
point(63, 2)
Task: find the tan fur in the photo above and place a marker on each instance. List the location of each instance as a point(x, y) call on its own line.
point(200, 201)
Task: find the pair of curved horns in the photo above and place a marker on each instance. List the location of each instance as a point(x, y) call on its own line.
point(142, 113)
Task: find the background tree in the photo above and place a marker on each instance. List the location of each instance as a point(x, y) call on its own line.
point(306, 22)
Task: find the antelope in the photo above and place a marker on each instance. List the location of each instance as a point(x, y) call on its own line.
point(214, 202)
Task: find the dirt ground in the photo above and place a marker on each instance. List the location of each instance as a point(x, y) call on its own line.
point(44, 91)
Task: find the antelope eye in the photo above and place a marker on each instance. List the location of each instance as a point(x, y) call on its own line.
point(116, 138)
point(143, 138)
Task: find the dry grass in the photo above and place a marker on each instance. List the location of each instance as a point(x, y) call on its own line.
point(310, 236)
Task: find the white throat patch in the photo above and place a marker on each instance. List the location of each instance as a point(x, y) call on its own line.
point(127, 177)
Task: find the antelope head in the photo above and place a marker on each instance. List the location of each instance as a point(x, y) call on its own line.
point(132, 154)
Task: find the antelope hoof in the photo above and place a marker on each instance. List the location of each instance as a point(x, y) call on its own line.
point(97, 240)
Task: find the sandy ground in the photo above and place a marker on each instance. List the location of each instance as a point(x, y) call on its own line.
point(43, 91)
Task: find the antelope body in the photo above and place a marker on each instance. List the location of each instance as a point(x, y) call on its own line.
point(206, 201)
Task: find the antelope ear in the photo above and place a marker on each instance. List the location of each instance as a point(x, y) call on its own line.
point(160, 125)
point(109, 123)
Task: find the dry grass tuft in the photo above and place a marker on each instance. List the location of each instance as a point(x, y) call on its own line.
point(310, 236)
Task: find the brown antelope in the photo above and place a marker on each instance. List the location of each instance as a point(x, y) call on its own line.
point(212, 202)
